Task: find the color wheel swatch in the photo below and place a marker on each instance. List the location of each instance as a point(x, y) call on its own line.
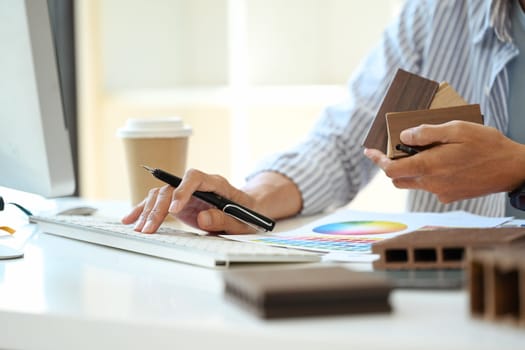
point(322, 243)
point(360, 228)
point(350, 234)
point(347, 236)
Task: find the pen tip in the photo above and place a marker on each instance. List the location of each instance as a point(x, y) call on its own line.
point(150, 169)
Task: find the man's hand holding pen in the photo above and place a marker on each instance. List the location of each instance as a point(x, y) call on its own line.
point(180, 202)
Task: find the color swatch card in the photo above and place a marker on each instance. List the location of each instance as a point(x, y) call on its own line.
point(354, 232)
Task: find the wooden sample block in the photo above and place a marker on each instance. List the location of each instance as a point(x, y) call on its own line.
point(295, 292)
point(446, 96)
point(418, 97)
point(399, 121)
point(497, 284)
point(406, 92)
point(440, 248)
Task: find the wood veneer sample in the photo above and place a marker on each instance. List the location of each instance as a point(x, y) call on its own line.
point(406, 92)
point(440, 248)
point(399, 121)
point(293, 292)
point(446, 96)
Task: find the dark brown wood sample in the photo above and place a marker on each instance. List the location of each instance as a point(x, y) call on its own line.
point(293, 292)
point(440, 248)
point(497, 284)
point(406, 92)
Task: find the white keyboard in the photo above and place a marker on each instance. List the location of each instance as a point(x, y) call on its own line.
point(168, 243)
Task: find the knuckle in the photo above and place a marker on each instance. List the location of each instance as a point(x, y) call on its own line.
point(387, 168)
point(193, 173)
point(177, 195)
point(165, 190)
point(436, 187)
point(404, 183)
point(220, 180)
point(144, 215)
point(444, 198)
point(150, 199)
point(397, 183)
point(455, 123)
point(153, 192)
point(447, 194)
point(155, 215)
point(454, 128)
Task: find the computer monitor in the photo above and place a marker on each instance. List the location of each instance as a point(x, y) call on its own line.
point(35, 149)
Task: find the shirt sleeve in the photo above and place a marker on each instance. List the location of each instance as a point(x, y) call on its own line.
point(329, 167)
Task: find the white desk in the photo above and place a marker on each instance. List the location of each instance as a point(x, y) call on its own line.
point(66, 294)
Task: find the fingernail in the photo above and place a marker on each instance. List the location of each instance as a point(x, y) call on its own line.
point(205, 219)
point(138, 225)
point(148, 227)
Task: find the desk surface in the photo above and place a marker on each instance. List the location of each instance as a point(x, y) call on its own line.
point(69, 294)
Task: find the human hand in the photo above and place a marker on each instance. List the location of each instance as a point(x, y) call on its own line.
point(160, 202)
point(466, 160)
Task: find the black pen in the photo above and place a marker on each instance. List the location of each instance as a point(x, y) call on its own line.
point(407, 149)
point(233, 209)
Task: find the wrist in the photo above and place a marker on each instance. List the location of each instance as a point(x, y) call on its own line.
point(275, 195)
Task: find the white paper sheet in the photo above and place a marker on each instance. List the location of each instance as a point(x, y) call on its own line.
point(348, 235)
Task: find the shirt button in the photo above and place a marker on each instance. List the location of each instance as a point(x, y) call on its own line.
point(487, 90)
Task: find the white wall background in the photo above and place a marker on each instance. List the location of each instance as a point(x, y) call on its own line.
point(236, 70)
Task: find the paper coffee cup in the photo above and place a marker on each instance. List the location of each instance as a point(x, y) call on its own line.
point(156, 142)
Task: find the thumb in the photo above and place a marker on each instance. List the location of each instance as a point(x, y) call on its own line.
point(215, 220)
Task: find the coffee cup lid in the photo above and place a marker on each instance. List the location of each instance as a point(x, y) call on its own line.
point(154, 127)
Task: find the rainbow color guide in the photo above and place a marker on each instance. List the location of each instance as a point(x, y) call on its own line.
point(360, 228)
point(322, 243)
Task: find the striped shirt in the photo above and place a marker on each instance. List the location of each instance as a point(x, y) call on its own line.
point(464, 42)
point(516, 127)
